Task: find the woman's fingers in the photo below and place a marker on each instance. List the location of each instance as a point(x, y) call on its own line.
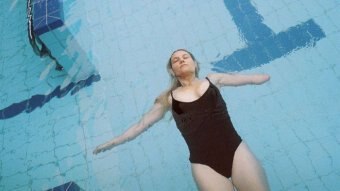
point(98, 150)
point(103, 147)
point(95, 151)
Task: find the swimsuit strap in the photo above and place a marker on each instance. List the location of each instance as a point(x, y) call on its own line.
point(171, 95)
point(208, 79)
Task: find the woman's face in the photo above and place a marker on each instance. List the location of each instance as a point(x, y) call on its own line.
point(182, 63)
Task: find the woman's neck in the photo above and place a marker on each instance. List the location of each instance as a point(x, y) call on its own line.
point(187, 80)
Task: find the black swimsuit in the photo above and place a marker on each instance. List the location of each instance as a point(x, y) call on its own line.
point(208, 131)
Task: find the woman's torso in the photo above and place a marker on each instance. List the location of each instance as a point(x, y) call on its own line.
point(206, 127)
point(191, 107)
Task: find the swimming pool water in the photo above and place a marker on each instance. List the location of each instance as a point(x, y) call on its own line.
point(49, 125)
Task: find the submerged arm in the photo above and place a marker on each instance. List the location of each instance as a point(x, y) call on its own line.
point(224, 79)
point(152, 116)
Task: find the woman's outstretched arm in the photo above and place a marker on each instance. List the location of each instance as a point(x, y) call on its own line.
point(224, 79)
point(156, 113)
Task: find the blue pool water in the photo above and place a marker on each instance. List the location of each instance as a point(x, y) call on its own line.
point(51, 122)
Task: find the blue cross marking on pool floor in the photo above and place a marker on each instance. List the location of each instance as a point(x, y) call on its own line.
point(262, 44)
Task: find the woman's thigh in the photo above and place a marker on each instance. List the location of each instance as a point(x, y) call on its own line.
point(208, 179)
point(247, 172)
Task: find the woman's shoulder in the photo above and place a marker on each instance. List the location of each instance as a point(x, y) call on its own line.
point(213, 78)
point(164, 98)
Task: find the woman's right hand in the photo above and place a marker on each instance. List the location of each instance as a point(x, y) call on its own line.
point(102, 148)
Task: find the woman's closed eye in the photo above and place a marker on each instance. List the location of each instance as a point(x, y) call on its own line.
point(175, 60)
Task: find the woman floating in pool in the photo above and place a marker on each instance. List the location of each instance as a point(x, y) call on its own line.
point(219, 158)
